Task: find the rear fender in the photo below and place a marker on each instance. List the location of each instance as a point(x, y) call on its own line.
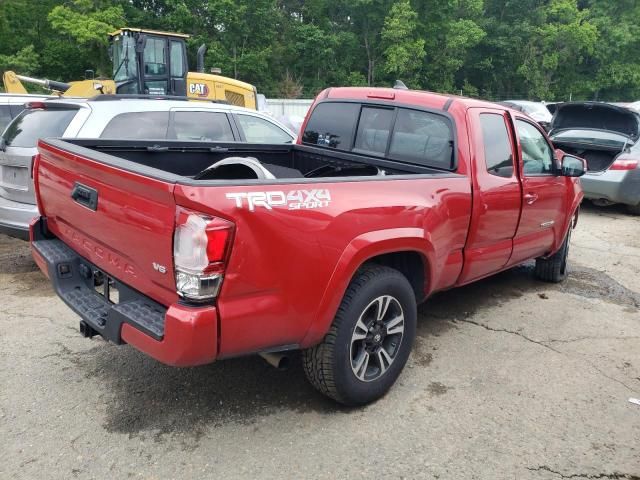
point(358, 252)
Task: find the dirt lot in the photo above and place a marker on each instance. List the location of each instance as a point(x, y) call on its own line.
point(510, 378)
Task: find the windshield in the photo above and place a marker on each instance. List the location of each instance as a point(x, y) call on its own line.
point(596, 137)
point(124, 58)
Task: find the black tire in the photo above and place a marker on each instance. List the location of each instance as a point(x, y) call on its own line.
point(554, 269)
point(634, 209)
point(329, 366)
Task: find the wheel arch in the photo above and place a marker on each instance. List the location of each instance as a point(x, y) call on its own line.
point(398, 248)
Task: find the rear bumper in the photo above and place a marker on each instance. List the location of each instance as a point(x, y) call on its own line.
point(179, 335)
point(15, 218)
point(618, 186)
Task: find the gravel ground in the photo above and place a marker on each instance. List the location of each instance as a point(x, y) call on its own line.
point(509, 378)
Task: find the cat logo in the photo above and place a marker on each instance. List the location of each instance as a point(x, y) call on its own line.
point(199, 89)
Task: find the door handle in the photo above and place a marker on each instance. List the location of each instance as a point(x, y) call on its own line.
point(530, 198)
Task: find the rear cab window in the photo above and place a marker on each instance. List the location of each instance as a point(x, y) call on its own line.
point(332, 125)
point(402, 134)
point(33, 124)
point(374, 128)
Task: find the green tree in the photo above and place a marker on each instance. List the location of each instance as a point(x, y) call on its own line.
point(451, 31)
point(558, 47)
point(25, 61)
point(403, 49)
point(549, 49)
point(88, 22)
point(614, 69)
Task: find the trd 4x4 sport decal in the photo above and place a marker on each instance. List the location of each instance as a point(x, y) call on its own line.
point(293, 200)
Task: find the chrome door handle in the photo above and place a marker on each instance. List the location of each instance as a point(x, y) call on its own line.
point(530, 198)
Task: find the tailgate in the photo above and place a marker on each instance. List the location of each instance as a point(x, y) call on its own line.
point(119, 220)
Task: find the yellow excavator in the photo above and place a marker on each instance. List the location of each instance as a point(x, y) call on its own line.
point(148, 62)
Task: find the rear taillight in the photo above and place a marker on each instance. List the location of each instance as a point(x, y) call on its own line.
point(624, 162)
point(201, 247)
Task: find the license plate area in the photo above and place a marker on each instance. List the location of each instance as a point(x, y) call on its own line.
point(14, 178)
point(108, 288)
point(103, 284)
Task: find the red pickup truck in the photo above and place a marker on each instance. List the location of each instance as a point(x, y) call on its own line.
point(193, 252)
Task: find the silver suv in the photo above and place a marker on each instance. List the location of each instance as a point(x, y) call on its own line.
point(114, 117)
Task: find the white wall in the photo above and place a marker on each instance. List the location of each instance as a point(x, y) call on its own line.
point(280, 107)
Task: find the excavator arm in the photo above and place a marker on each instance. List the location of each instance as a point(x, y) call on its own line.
point(81, 88)
point(12, 83)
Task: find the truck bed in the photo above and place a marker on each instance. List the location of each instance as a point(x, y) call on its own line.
point(116, 205)
point(179, 161)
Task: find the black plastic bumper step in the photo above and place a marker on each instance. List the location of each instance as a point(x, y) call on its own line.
point(74, 278)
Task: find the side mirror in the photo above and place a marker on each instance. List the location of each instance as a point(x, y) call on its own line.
point(573, 166)
point(3, 144)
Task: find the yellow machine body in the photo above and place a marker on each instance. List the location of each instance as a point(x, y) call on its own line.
point(216, 87)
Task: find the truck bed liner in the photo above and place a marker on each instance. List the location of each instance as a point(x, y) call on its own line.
point(158, 158)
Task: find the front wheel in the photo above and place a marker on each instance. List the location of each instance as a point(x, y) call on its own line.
point(369, 341)
point(554, 268)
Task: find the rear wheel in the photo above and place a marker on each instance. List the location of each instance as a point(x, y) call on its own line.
point(554, 268)
point(369, 341)
point(634, 209)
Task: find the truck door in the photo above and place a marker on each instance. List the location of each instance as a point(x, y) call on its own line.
point(497, 195)
point(543, 191)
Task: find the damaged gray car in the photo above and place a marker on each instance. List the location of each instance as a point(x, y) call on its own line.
point(607, 137)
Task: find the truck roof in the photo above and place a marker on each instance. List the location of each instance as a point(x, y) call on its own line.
point(410, 97)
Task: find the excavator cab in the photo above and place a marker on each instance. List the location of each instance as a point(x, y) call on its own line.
point(149, 62)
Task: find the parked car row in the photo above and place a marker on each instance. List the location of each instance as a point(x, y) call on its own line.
point(117, 117)
point(606, 135)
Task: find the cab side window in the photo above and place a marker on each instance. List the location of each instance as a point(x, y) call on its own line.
point(497, 147)
point(537, 155)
